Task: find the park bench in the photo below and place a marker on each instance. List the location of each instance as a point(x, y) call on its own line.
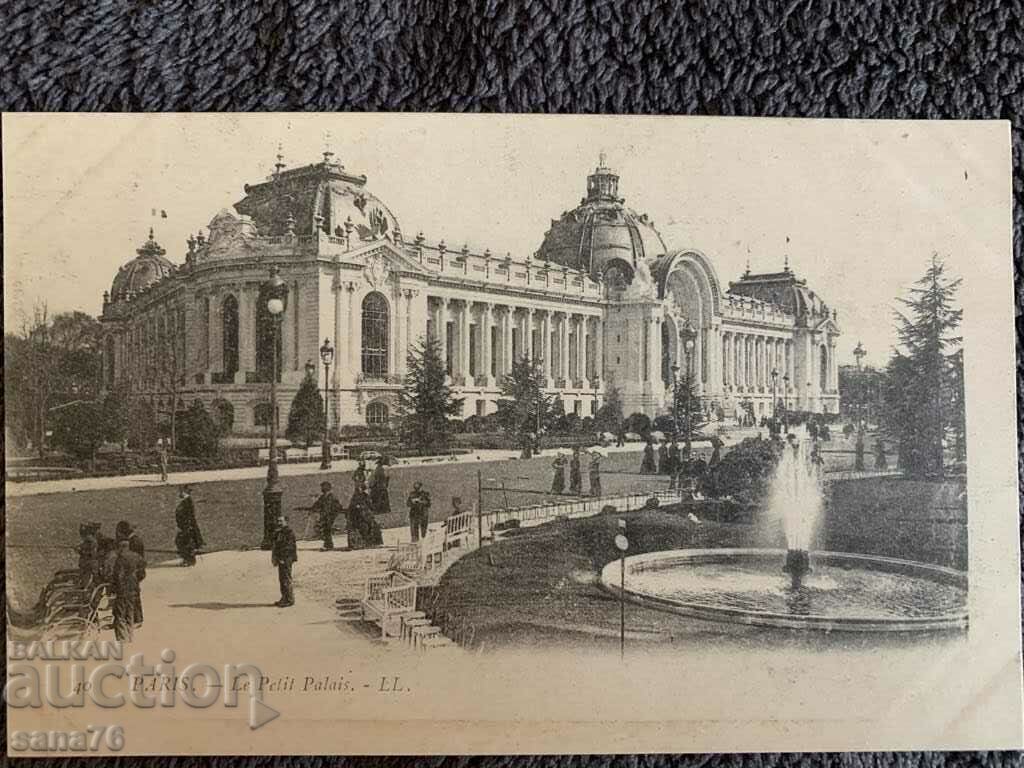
point(295, 454)
point(458, 530)
point(386, 598)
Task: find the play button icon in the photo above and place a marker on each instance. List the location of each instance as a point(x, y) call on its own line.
point(260, 714)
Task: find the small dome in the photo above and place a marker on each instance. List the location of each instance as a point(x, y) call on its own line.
point(783, 289)
point(322, 196)
point(141, 272)
point(602, 232)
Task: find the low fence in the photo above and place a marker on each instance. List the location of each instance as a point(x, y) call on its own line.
point(541, 513)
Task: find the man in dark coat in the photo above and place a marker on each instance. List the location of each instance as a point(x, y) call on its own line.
point(359, 476)
point(125, 532)
point(380, 501)
point(89, 561)
point(127, 572)
point(663, 468)
point(188, 539)
point(575, 473)
point(419, 511)
point(647, 466)
point(327, 508)
point(283, 554)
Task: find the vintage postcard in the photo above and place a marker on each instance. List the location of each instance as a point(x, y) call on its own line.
point(452, 434)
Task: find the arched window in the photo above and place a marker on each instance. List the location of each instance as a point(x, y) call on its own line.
point(377, 414)
point(267, 338)
point(229, 321)
point(823, 360)
point(375, 336)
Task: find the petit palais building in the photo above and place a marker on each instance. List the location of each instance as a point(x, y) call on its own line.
point(602, 303)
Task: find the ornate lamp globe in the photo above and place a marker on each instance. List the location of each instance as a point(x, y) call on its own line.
point(327, 352)
point(275, 306)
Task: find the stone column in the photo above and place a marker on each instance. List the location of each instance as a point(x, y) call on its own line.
point(464, 343)
point(355, 333)
point(546, 345)
point(486, 351)
point(341, 339)
point(213, 336)
point(442, 331)
point(528, 350)
point(246, 332)
point(599, 350)
point(506, 341)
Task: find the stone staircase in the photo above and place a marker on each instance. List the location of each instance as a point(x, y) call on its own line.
point(417, 633)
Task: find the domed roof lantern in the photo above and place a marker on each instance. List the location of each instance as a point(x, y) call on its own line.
point(603, 183)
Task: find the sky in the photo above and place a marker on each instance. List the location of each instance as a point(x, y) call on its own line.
point(864, 204)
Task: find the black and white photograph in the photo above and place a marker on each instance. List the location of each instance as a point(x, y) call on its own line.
point(510, 433)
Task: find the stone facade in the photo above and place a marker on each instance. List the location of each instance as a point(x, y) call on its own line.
point(603, 303)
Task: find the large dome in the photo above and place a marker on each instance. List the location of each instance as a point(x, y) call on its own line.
point(319, 196)
point(602, 233)
point(141, 272)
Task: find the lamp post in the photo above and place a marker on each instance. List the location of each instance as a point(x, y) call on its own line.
point(785, 401)
point(327, 356)
point(689, 337)
point(275, 293)
point(540, 405)
point(675, 396)
point(775, 379)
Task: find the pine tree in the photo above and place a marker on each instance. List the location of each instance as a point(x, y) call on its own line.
point(923, 400)
point(609, 416)
point(692, 421)
point(523, 396)
point(426, 404)
point(306, 417)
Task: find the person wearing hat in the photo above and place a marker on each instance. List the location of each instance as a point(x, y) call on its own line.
point(575, 473)
point(126, 574)
point(188, 539)
point(283, 555)
point(595, 474)
point(419, 511)
point(380, 500)
point(124, 531)
point(89, 561)
point(327, 508)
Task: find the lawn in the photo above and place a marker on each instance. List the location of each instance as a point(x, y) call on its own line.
point(540, 585)
point(42, 530)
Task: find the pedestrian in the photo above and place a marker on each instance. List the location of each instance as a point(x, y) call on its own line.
point(124, 532)
point(881, 462)
point(327, 508)
point(575, 474)
point(188, 538)
point(620, 436)
point(558, 479)
point(380, 501)
point(419, 511)
point(359, 475)
point(164, 461)
point(673, 462)
point(127, 572)
point(647, 466)
point(88, 554)
point(663, 467)
point(283, 555)
point(595, 474)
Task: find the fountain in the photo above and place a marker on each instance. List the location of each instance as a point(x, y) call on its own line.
point(797, 587)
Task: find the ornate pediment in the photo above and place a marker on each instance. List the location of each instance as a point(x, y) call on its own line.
point(380, 261)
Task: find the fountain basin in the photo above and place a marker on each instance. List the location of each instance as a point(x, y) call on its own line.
point(845, 592)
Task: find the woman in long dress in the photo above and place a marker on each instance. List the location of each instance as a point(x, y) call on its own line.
point(380, 501)
point(595, 474)
point(188, 539)
point(647, 465)
point(558, 480)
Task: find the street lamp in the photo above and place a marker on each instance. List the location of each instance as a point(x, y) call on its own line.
point(275, 293)
point(675, 397)
point(785, 401)
point(689, 340)
point(775, 379)
point(327, 356)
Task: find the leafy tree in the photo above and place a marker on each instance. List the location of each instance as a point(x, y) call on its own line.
point(746, 471)
point(198, 433)
point(609, 416)
point(115, 414)
point(306, 417)
point(80, 428)
point(426, 404)
point(664, 423)
point(223, 414)
point(524, 404)
point(638, 423)
point(142, 427)
point(923, 400)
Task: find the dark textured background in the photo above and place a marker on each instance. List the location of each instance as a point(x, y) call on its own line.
point(810, 59)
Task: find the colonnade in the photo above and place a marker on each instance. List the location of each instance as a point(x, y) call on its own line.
point(481, 339)
point(750, 359)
